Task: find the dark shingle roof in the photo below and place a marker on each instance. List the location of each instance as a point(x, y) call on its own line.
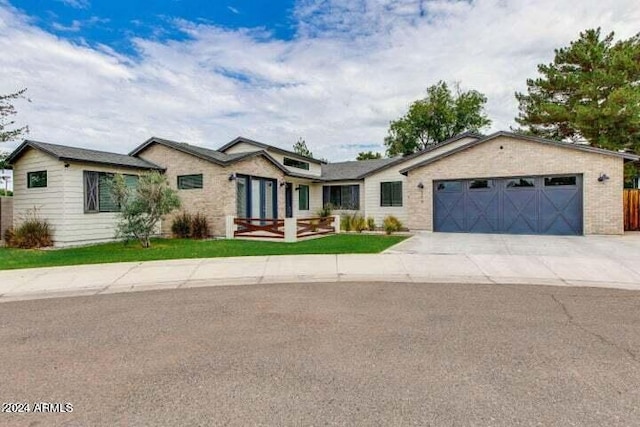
point(208, 154)
point(268, 147)
point(74, 154)
point(345, 171)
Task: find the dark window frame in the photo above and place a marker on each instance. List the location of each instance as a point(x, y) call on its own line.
point(92, 181)
point(35, 173)
point(303, 189)
point(294, 163)
point(334, 194)
point(393, 196)
point(192, 175)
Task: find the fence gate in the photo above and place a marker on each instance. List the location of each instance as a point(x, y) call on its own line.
point(631, 199)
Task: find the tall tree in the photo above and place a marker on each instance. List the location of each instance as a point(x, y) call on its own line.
point(301, 148)
point(7, 110)
point(589, 93)
point(440, 115)
point(368, 155)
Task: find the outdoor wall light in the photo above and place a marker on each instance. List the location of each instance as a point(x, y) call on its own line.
point(421, 186)
point(232, 177)
point(297, 188)
point(282, 184)
point(603, 177)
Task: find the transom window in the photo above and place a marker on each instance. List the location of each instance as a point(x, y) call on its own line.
point(521, 183)
point(554, 181)
point(97, 191)
point(189, 182)
point(480, 184)
point(37, 179)
point(391, 193)
point(296, 163)
point(342, 197)
point(449, 186)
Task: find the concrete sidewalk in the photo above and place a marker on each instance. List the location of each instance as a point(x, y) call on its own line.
point(388, 267)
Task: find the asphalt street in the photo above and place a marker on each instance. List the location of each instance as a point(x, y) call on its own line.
point(336, 354)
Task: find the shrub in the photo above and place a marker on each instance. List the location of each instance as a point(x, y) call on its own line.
point(392, 224)
point(33, 232)
point(326, 210)
point(199, 226)
point(345, 223)
point(358, 223)
point(181, 226)
point(371, 224)
point(353, 222)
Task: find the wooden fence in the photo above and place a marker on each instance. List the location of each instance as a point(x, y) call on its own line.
point(631, 199)
point(257, 227)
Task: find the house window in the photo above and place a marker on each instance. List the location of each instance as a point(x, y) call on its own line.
point(189, 182)
point(303, 197)
point(521, 183)
point(97, 191)
point(296, 163)
point(344, 197)
point(391, 193)
point(37, 179)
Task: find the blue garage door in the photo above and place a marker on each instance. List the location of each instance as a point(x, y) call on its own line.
point(517, 205)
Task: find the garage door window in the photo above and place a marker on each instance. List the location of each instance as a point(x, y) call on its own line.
point(553, 181)
point(449, 186)
point(521, 183)
point(480, 184)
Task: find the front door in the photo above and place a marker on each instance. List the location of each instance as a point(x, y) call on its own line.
point(288, 198)
point(256, 197)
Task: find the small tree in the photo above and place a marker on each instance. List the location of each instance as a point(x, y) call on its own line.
point(301, 148)
point(6, 111)
point(142, 209)
point(368, 155)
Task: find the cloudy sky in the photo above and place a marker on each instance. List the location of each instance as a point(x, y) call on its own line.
point(110, 74)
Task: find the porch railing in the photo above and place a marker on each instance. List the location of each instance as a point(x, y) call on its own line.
point(287, 229)
point(257, 227)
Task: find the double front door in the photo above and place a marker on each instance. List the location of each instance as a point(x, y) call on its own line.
point(256, 197)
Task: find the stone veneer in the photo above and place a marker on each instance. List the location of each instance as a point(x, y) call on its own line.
point(507, 156)
point(217, 198)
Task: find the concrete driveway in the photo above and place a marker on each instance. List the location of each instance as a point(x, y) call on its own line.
point(614, 248)
point(327, 354)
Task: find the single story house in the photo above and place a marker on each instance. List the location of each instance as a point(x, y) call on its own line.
point(500, 183)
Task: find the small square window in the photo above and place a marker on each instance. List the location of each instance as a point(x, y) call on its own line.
point(37, 179)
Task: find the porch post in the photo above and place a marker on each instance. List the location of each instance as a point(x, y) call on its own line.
point(336, 223)
point(291, 230)
point(230, 227)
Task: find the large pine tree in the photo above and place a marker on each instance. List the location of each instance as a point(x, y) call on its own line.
point(589, 93)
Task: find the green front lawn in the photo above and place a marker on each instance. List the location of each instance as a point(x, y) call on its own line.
point(178, 248)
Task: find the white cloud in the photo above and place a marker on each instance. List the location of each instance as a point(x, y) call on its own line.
point(354, 66)
point(76, 4)
point(233, 10)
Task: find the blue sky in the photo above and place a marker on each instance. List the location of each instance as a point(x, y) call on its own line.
point(110, 74)
point(116, 22)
